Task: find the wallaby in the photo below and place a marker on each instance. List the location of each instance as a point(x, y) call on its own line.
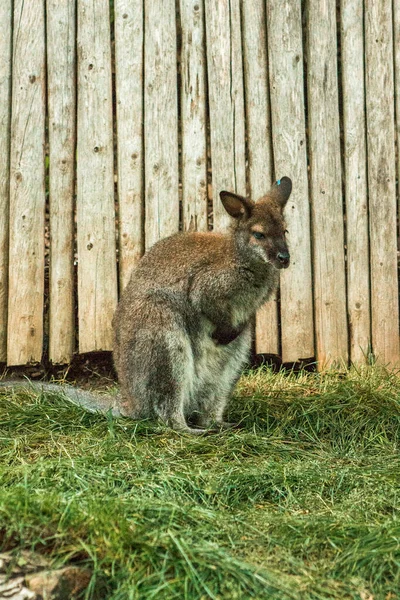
point(182, 329)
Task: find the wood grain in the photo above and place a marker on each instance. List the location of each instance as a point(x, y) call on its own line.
point(290, 157)
point(61, 63)
point(355, 178)
point(160, 122)
point(193, 116)
point(325, 186)
point(382, 181)
point(396, 33)
point(5, 99)
point(97, 275)
point(129, 56)
point(27, 186)
point(226, 102)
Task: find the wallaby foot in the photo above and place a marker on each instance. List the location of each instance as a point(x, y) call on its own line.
point(216, 426)
point(181, 426)
point(175, 419)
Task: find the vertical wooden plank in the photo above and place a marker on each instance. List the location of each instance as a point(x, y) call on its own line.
point(5, 100)
point(97, 275)
point(396, 46)
point(267, 329)
point(289, 143)
point(326, 192)
point(193, 116)
point(382, 180)
point(61, 61)
point(160, 122)
point(128, 27)
point(259, 145)
point(27, 192)
point(355, 171)
point(225, 90)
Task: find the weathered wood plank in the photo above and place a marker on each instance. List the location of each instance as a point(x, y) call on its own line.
point(259, 143)
point(396, 33)
point(255, 63)
point(226, 103)
point(97, 276)
point(27, 190)
point(289, 144)
point(355, 171)
point(5, 99)
point(128, 27)
point(61, 61)
point(326, 192)
point(382, 181)
point(267, 328)
point(193, 116)
point(160, 122)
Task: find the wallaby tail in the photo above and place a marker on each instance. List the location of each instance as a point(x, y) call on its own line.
point(90, 401)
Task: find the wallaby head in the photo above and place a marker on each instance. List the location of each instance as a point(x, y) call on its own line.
point(260, 226)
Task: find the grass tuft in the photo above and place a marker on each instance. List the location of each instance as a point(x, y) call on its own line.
point(301, 503)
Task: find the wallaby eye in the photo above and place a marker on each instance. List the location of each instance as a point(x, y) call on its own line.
point(258, 235)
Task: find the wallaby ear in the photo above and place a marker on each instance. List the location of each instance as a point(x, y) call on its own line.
point(281, 191)
point(236, 206)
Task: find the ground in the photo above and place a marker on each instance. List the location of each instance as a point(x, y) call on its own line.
point(300, 503)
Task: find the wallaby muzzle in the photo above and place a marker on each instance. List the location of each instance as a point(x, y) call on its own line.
point(279, 255)
point(283, 258)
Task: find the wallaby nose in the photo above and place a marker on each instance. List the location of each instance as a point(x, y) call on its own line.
point(284, 258)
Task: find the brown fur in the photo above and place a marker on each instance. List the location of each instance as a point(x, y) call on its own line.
point(183, 325)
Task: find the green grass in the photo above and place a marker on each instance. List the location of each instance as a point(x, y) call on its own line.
point(302, 503)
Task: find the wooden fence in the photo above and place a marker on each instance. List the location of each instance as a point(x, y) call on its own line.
point(121, 123)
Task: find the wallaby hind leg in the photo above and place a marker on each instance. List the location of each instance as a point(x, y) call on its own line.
point(212, 408)
point(155, 382)
point(213, 397)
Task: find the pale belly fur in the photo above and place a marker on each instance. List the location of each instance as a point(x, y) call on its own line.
point(212, 369)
